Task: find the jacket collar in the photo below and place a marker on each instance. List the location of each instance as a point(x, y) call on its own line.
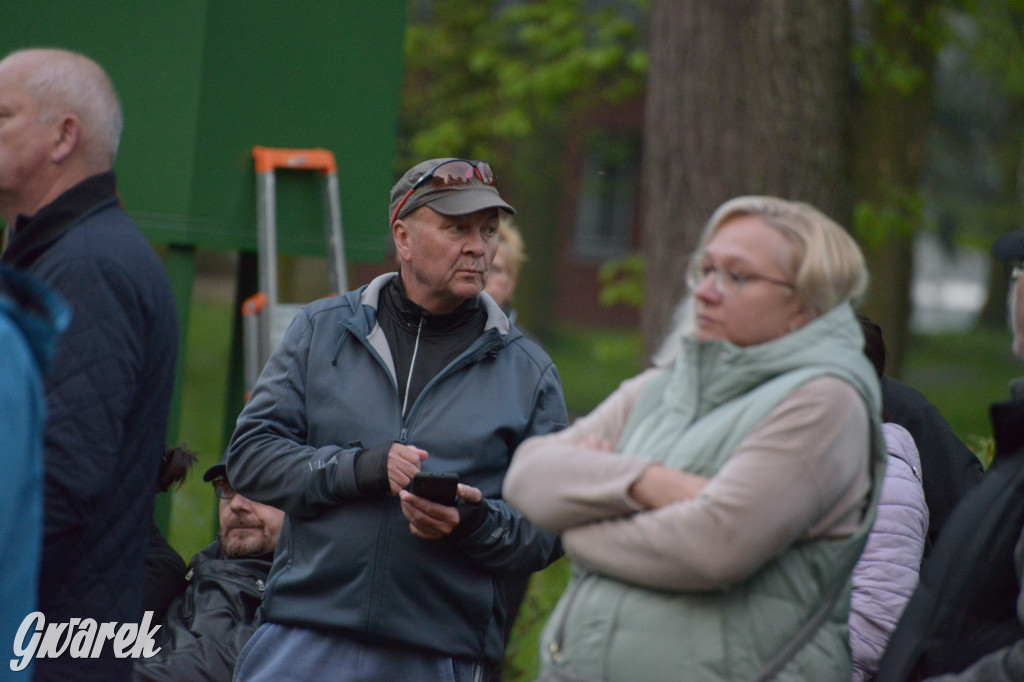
point(832, 341)
point(369, 298)
point(1008, 426)
point(395, 302)
point(32, 235)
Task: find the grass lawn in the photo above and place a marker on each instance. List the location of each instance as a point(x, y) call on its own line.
point(961, 374)
point(193, 509)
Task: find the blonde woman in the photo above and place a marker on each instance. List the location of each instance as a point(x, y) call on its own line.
point(714, 506)
point(503, 275)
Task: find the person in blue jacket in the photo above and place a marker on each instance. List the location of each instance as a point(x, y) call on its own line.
point(108, 388)
point(31, 319)
point(416, 371)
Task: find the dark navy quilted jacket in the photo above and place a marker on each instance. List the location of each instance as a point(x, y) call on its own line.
point(108, 393)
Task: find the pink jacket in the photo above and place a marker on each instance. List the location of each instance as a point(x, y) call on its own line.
point(887, 572)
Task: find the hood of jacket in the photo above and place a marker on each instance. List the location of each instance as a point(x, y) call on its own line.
point(832, 342)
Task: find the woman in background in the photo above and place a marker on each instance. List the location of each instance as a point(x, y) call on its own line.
point(503, 275)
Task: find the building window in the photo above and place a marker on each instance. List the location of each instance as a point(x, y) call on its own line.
point(607, 195)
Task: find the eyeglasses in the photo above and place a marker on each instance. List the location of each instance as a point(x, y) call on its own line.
point(727, 282)
point(454, 172)
point(223, 490)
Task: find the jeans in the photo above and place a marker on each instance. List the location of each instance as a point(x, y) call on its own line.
point(284, 653)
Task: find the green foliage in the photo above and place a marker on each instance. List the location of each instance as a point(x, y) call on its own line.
point(481, 73)
point(983, 447)
point(900, 213)
point(622, 281)
point(994, 36)
point(593, 362)
point(892, 33)
point(962, 374)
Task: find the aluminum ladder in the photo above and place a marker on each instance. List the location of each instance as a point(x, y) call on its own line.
point(264, 317)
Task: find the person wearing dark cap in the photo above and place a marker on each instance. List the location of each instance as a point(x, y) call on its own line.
point(1010, 250)
point(965, 620)
point(417, 371)
point(215, 614)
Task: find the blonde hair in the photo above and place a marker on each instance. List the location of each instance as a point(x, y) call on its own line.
point(510, 243)
point(829, 265)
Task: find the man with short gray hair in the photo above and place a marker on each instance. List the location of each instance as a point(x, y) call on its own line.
point(108, 388)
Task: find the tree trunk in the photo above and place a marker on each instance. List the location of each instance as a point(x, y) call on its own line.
point(742, 98)
point(889, 154)
point(536, 173)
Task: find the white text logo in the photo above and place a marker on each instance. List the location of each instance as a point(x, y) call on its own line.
point(81, 638)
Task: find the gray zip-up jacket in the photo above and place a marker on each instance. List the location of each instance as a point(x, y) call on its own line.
point(348, 562)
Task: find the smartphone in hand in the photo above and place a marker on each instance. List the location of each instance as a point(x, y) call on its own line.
point(436, 487)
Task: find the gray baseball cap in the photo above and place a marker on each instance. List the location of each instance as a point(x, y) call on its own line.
point(451, 199)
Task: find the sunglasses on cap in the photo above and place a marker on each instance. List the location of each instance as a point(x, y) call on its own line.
point(449, 173)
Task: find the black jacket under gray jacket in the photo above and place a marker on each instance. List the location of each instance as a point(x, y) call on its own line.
point(208, 624)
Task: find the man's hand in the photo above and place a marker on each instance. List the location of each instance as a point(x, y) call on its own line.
point(403, 463)
point(660, 486)
point(430, 520)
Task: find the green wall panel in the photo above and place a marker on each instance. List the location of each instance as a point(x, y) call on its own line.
point(202, 82)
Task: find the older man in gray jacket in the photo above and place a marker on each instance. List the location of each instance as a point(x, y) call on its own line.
point(416, 371)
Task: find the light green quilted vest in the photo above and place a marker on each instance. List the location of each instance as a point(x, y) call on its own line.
point(691, 417)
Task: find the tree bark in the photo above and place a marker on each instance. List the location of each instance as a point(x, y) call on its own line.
point(742, 98)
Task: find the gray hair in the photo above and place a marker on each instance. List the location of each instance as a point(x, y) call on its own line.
point(67, 82)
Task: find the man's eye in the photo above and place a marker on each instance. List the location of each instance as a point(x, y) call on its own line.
point(737, 278)
point(491, 230)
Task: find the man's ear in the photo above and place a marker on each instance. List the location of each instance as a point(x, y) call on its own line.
point(400, 232)
point(67, 130)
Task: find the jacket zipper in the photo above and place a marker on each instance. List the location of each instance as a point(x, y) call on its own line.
point(464, 360)
point(382, 529)
point(412, 366)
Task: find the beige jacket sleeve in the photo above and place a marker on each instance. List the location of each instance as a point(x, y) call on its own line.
point(557, 484)
point(803, 473)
